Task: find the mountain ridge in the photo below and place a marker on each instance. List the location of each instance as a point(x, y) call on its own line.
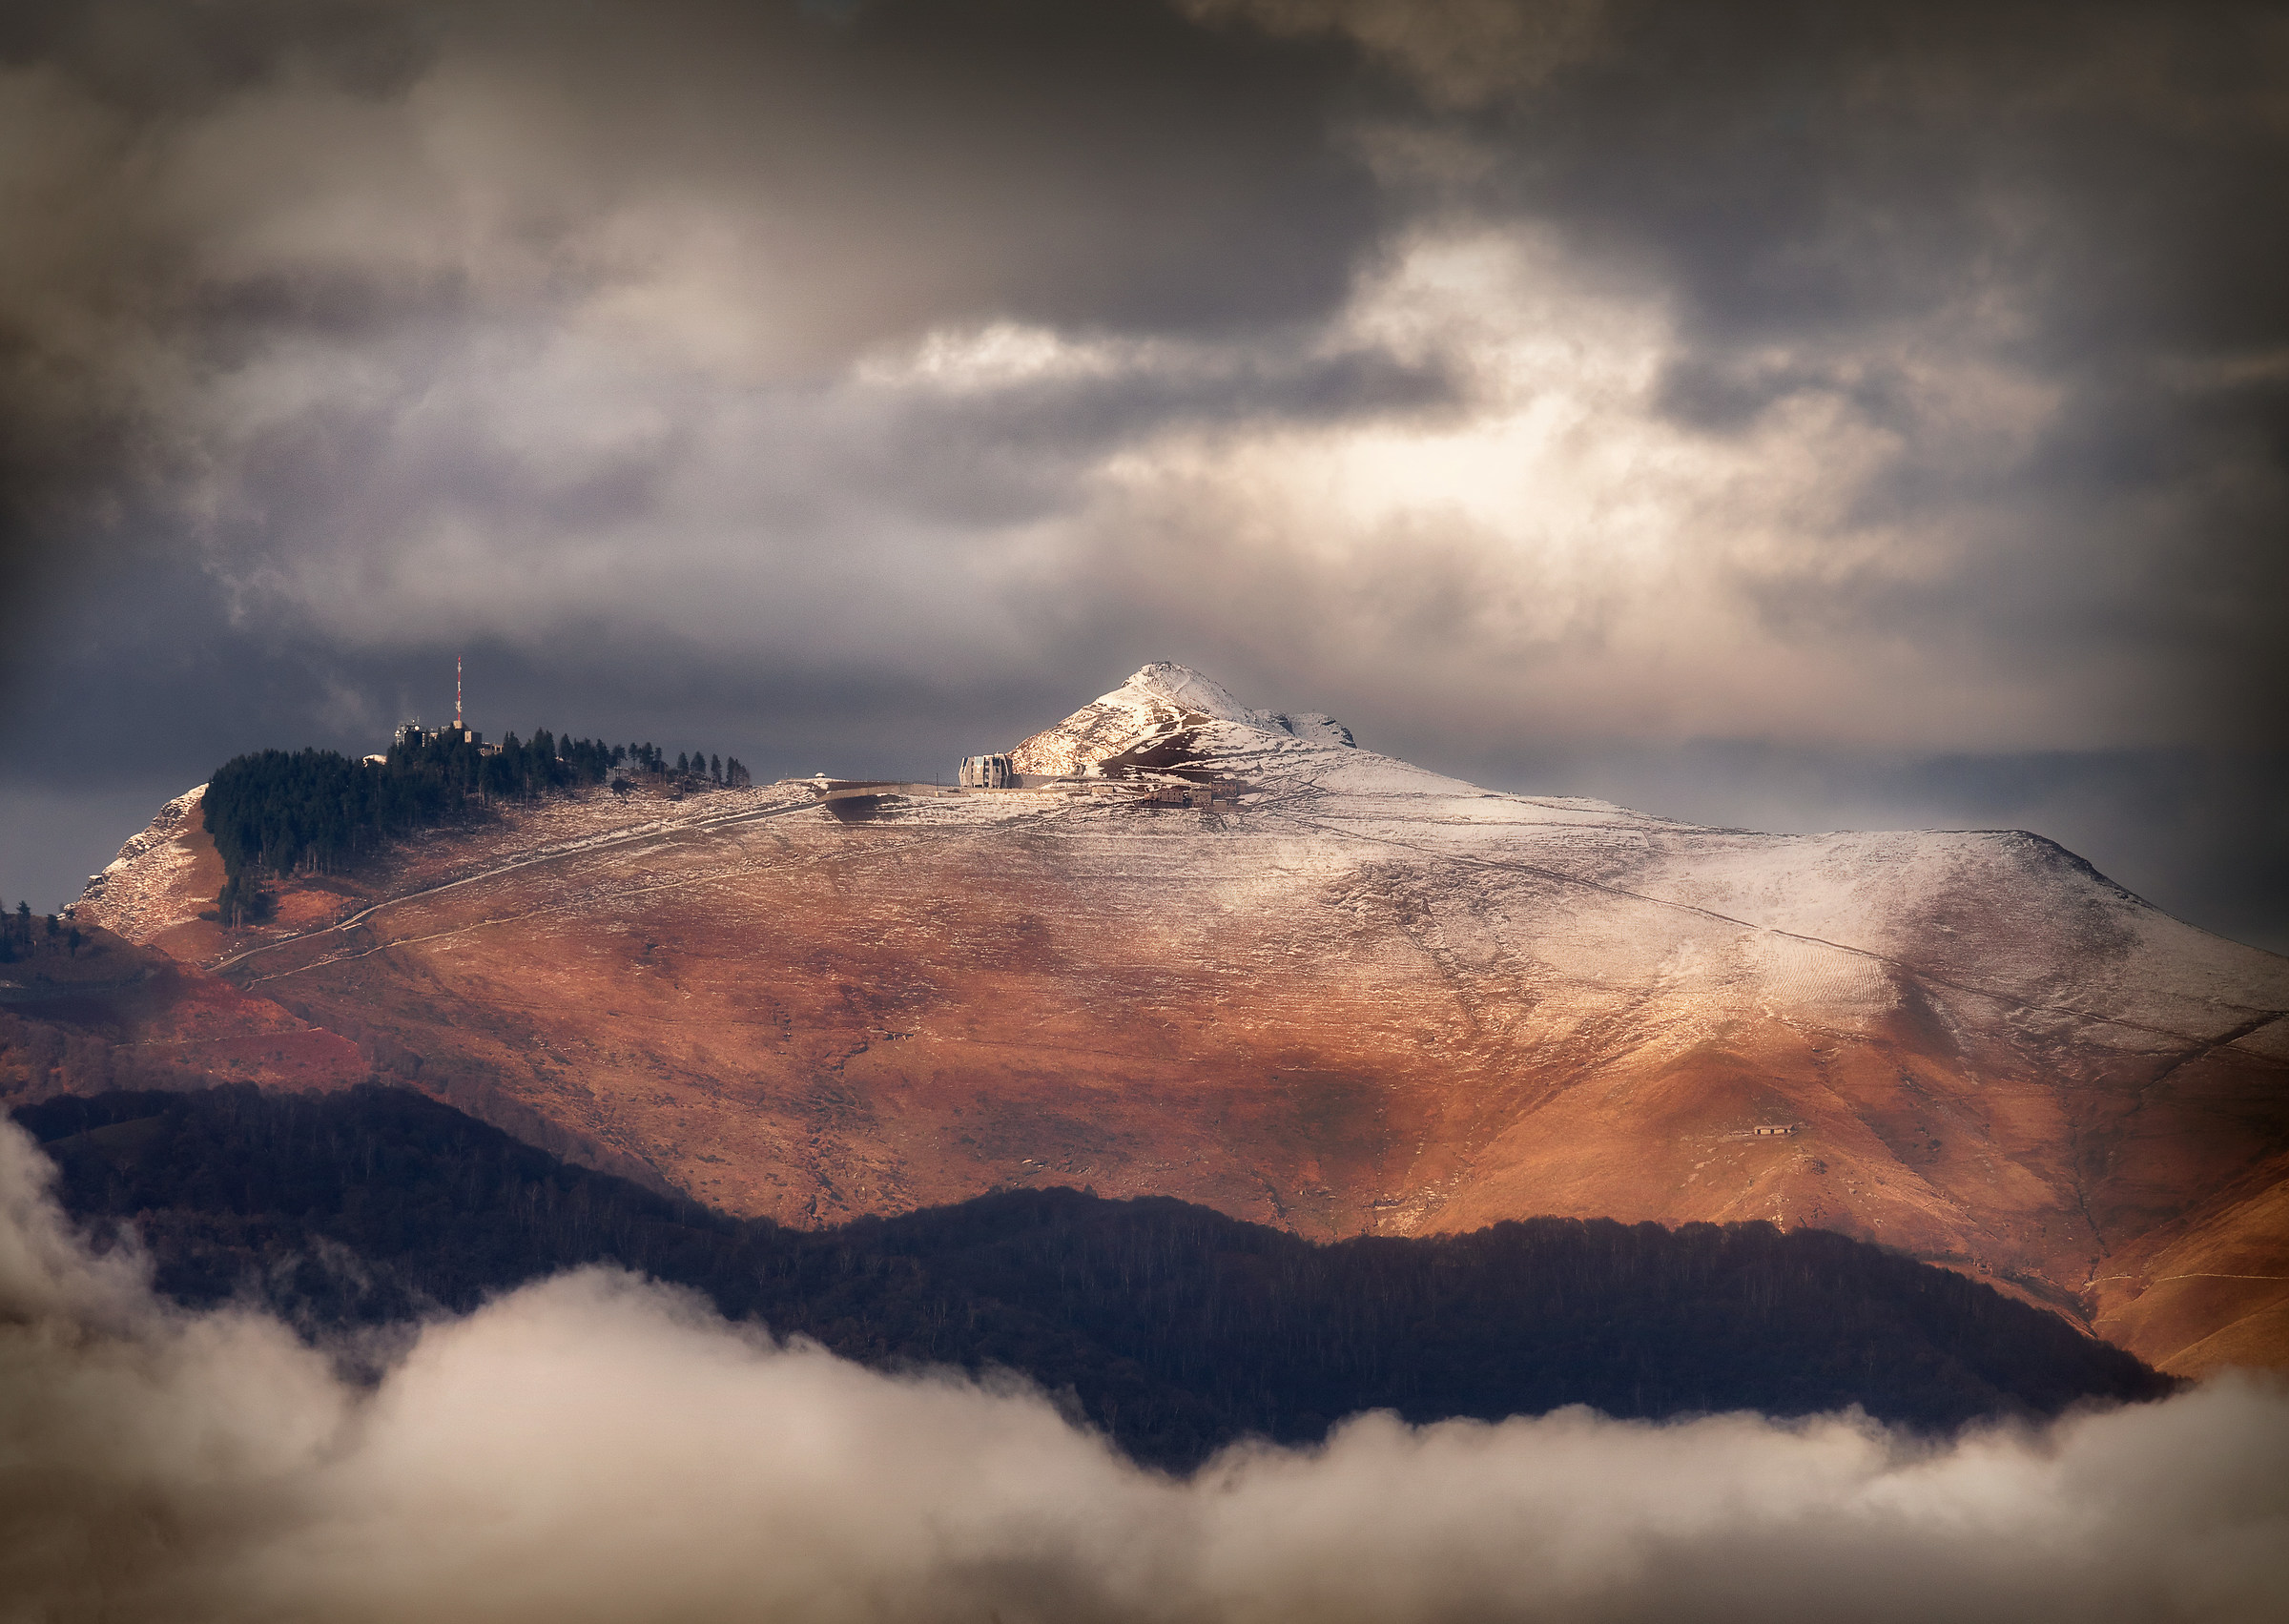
point(1357, 997)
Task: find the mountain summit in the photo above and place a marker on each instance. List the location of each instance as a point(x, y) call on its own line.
point(1338, 993)
point(1169, 709)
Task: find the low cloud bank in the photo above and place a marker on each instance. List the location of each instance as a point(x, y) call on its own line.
point(595, 1447)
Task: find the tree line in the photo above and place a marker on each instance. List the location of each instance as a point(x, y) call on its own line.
point(22, 936)
point(316, 811)
point(1173, 1328)
point(727, 770)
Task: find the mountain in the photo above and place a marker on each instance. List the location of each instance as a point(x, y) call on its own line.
point(1173, 1328)
point(1324, 990)
point(1160, 704)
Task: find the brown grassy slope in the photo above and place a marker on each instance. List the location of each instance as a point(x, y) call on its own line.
point(782, 1014)
point(122, 1016)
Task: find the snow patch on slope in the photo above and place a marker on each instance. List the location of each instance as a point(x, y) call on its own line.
point(1827, 921)
point(165, 827)
point(137, 894)
point(1317, 728)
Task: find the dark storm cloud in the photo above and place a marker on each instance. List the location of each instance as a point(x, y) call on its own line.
point(1793, 168)
point(593, 1448)
point(892, 166)
point(1832, 197)
point(1509, 377)
point(2102, 181)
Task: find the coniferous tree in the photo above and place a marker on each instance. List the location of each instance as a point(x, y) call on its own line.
point(716, 767)
point(1175, 1327)
point(313, 811)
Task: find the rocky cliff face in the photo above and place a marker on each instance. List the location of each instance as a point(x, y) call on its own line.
point(1368, 999)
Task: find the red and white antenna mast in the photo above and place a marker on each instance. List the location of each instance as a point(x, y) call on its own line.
point(457, 726)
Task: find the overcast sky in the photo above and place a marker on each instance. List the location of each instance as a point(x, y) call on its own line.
point(1777, 414)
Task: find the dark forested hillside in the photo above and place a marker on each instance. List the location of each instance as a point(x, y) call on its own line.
point(281, 810)
point(1173, 1326)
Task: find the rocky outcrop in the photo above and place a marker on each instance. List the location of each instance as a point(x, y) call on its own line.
point(151, 885)
point(1160, 706)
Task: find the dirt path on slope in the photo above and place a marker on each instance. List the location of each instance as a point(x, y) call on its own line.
point(653, 831)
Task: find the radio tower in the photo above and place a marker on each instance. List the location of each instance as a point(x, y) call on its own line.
point(457, 726)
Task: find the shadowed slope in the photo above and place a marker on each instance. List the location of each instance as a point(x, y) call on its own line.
point(1175, 1327)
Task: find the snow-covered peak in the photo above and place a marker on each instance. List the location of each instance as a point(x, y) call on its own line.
point(1181, 685)
point(1152, 707)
